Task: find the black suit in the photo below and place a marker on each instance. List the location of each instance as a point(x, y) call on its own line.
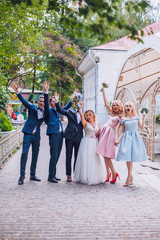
point(73, 134)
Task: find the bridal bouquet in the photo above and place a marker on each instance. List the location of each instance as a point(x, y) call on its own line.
point(144, 110)
point(76, 97)
point(105, 85)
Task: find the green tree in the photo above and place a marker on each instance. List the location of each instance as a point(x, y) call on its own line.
point(73, 13)
point(4, 96)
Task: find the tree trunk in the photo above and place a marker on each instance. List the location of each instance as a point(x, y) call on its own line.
point(34, 75)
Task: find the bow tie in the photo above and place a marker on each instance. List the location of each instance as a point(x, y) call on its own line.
point(40, 109)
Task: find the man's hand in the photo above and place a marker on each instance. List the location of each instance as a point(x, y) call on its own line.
point(76, 90)
point(56, 96)
point(14, 87)
point(46, 86)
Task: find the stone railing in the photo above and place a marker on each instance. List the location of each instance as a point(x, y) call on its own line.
point(9, 143)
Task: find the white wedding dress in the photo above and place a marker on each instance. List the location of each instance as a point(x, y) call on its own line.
point(90, 168)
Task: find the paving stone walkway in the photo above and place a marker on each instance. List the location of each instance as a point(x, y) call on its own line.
point(65, 211)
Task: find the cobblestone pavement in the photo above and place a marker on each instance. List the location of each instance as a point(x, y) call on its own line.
point(44, 210)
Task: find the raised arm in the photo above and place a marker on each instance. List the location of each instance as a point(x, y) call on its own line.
point(58, 106)
point(68, 105)
point(19, 95)
point(141, 125)
point(83, 121)
point(46, 100)
point(105, 100)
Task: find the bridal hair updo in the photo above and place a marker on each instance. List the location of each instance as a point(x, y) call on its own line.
point(134, 113)
point(121, 108)
point(90, 111)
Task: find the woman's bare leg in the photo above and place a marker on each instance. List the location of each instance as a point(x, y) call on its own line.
point(109, 163)
point(107, 168)
point(129, 177)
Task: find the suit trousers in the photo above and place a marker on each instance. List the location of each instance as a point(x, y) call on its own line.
point(29, 139)
point(55, 143)
point(70, 144)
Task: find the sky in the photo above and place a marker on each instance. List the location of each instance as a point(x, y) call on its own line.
point(154, 2)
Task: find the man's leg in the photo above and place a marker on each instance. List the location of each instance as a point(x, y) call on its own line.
point(25, 148)
point(35, 152)
point(60, 143)
point(69, 150)
point(54, 143)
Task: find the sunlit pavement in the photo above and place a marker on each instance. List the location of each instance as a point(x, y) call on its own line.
point(44, 210)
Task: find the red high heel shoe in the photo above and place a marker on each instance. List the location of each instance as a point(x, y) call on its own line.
point(115, 179)
point(107, 179)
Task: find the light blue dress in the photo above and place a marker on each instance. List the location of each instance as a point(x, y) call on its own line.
point(131, 148)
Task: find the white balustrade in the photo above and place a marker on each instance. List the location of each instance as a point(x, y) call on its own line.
point(9, 143)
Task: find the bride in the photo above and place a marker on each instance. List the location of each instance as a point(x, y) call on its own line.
point(89, 168)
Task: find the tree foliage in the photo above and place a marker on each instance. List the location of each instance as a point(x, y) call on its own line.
point(44, 40)
point(74, 13)
point(4, 96)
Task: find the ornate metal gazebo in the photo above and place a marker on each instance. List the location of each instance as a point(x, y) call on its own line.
point(139, 82)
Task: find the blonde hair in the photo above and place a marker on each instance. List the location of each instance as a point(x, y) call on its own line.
point(121, 108)
point(134, 113)
point(87, 111)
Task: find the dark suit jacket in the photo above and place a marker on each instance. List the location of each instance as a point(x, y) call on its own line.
point(52, 117)
point(73, 129)
point(32, 120)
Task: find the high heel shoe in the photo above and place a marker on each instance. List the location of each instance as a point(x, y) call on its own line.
point(107, 179)
point(131, 180)
point(128, 182)
point(115, 179)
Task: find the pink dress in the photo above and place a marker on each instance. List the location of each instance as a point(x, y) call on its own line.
point(106, 145)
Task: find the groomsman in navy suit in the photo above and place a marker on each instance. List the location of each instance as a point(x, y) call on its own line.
point(54, 131)
point(73, 134)
point(31, 132)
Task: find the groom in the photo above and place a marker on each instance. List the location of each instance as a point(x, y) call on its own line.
point(73, 134)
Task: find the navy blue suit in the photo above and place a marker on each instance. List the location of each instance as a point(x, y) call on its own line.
point(30, 138)
point(55, 132)
point(73, 134)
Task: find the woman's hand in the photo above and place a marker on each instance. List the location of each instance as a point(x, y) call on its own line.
point(97, 134)
point(116, 142)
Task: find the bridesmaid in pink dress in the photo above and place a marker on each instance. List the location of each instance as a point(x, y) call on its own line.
point(106, 145)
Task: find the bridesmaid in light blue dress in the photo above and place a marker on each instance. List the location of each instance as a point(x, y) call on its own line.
point(131, 148)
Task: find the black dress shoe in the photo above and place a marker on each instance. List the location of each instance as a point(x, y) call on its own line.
point(58, 179)
point(35, 178)
point(52, 180)
point(21, 180)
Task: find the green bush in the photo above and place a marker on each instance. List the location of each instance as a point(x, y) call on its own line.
point(158, 119)
point(5, 124)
